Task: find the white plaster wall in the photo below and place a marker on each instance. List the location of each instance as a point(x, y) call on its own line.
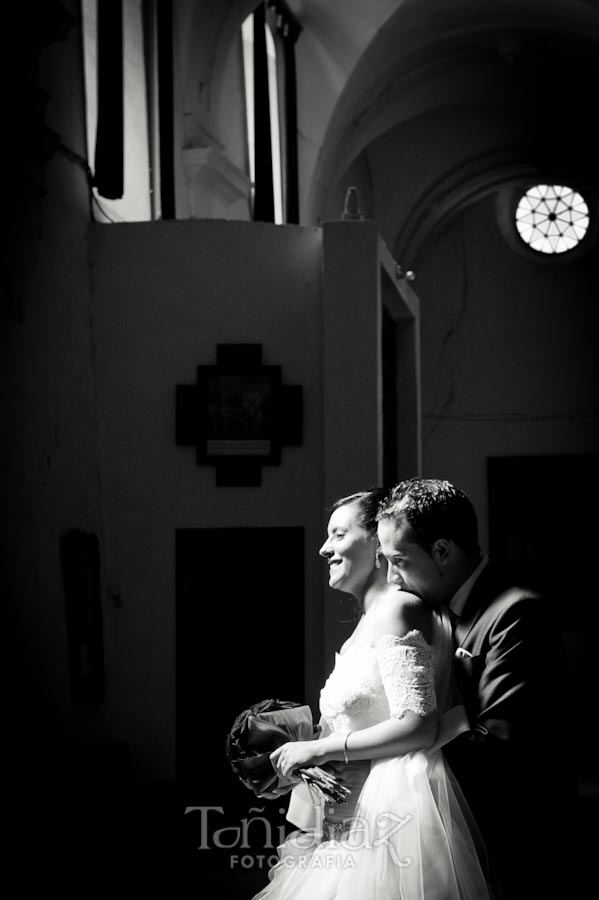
point(164, 295)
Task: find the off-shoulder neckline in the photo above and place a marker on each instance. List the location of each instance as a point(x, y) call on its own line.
point(410, 637)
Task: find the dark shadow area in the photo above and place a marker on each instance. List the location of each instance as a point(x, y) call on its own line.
point(80, 823)
point(83, 825)
point(539, 508)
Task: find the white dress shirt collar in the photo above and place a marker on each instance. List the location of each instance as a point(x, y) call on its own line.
point(458, 601)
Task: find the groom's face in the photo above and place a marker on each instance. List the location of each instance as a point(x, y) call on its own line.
point(410, 567)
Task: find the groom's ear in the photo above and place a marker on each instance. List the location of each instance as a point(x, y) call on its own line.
point(441, 551)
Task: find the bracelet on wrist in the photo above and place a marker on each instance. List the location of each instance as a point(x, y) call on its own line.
point(345, 756)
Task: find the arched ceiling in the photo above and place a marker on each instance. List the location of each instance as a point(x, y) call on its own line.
point(534, 63)
point(472, 93)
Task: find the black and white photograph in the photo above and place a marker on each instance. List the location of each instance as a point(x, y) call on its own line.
point(298, 485)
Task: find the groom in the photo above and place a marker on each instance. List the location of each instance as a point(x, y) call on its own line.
point(510, 673)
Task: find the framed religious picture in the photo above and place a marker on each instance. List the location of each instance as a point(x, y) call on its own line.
point(238, 415)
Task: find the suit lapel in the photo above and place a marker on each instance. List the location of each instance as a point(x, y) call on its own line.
point(478, 599)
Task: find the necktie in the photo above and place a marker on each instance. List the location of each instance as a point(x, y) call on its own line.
point(454, 619)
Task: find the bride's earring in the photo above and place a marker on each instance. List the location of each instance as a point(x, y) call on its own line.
point(377, 561)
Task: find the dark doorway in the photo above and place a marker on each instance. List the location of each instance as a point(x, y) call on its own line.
point(542, 522)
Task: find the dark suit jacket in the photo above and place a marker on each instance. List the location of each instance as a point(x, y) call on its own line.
point(516, 766)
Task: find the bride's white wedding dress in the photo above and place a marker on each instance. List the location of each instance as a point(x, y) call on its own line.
point(405, 832)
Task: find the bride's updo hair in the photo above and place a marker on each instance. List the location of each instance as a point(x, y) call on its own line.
point(368, 505)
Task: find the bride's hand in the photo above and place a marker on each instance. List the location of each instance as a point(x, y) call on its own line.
point(294, 755)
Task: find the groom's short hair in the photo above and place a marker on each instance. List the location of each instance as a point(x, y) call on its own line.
point(433, 509)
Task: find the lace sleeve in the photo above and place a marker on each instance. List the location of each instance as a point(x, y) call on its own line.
point(406, 668)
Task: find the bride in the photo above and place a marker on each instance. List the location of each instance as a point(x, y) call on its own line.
point(405, 832)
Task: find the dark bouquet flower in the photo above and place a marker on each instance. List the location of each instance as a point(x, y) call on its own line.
point(259, 730)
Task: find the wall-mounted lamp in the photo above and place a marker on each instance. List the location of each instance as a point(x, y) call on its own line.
point(399, 273)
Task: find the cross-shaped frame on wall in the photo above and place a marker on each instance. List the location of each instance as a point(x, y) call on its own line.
point(238, 415)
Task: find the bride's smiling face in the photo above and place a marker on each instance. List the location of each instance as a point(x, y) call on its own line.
point(349, 549)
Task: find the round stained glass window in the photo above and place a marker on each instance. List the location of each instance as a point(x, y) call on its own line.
point(552, 218)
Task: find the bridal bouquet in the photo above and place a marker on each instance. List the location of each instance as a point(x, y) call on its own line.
point(259, 730)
